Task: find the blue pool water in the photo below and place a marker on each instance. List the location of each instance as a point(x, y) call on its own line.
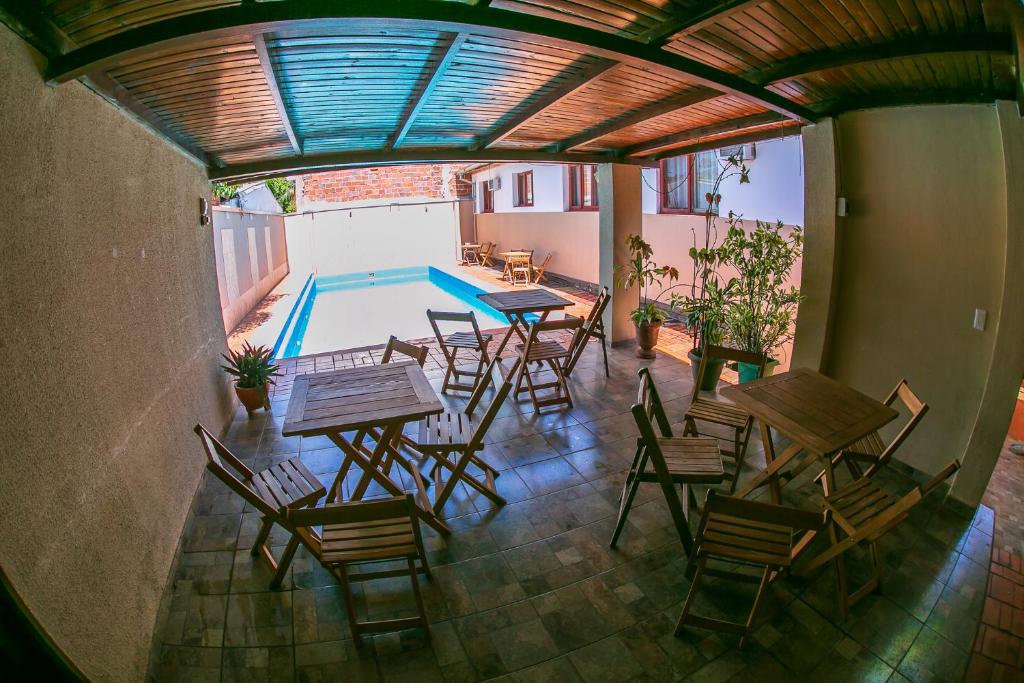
point(363, 309)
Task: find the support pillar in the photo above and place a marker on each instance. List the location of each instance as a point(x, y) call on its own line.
point(621, 214)
point(820, 269)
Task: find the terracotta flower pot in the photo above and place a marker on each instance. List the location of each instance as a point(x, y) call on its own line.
point(646, 339)
point(253, 398)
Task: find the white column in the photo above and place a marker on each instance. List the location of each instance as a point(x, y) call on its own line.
point(621, 214)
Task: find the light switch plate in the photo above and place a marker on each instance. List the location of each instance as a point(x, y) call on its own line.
point(980, 316)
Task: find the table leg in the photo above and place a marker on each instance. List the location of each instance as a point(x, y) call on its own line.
point(770, 473)
point(513, 329)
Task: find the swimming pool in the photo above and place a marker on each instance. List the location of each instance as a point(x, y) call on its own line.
point(354, 310)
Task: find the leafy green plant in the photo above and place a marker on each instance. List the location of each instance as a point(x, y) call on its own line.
point(644, 272)
point(252, 367)
point(761, 304)
point(224, 191)
point(284, 192)
point(705, 304)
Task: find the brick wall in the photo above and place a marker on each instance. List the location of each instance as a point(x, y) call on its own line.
point(433, 181)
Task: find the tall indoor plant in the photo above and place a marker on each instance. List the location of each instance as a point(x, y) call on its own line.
point(705, 303)
point(761, 304)
point(254, 372)
point(643, 272)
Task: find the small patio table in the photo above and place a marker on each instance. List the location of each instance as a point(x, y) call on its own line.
point(512, 256)
point(516, 305)
point(379, 397)
point(470, 253)
point(819, 415)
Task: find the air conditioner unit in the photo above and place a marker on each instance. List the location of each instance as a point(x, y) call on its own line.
point(744, 152)
point(494, 184)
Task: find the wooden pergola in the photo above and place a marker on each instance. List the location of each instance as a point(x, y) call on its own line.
point(256, 89)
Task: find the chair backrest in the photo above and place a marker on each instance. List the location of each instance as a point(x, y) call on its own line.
point(396, 510)
point(229, 469)
point(727, 354)
point(447, 316)
point(568, 323)
point(593, 326)
point(760, 513)
point(647, 396)
point(396, 345)
point(917, 409)
point(476, 441)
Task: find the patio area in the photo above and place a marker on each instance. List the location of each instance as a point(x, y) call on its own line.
point(532, 591)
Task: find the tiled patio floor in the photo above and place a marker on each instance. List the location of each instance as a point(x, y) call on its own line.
point(531, 591)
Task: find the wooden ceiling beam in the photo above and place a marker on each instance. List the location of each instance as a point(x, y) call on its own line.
point(36, 28)
point(825, 60)
point(784, 129)
point(695, 134)
point(263, 54)
point(905, 99)
point(449, 48)
point(568, 88)
point(188, 29)
point(382, 157)
point(689, 22)
point(631, 118)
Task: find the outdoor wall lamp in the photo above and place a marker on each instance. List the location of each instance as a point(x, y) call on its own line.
point(204, 211)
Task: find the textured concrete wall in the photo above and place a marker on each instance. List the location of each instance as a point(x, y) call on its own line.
point(111, 329)
point(252, 257)
point(924, 245)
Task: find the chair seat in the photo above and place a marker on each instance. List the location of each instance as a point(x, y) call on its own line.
point(858, 503)
point(690, 460)
point(718, 412)
point(380, 539)
point(466, 340)
point(287, 484)
point(869, 445)
point(745, 540)
point(447, 431)
point(544, 350)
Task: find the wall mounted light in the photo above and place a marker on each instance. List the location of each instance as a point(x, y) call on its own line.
point(204, 211)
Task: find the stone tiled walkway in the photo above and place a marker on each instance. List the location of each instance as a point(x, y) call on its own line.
point(531, 591)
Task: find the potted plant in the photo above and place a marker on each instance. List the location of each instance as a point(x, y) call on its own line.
point(254, 371)
point(761, 305)
point(705, 303)
point(643, 272)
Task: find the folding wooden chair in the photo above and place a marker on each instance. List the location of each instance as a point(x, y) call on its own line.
point(871, 449)
point(864, 512)
point(538, 273)
point(454, 438)
point(743, 535)
point(365, 532)
point(546, 353)
point(396, 345)
point(270, 491)
point(521, 270)
point(666, 460)
point(471, 341)
point(486, 253)
point(593, 328)
point(722, 413)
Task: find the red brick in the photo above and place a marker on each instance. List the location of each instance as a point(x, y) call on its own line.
point(1001, 588)
point(979, 670)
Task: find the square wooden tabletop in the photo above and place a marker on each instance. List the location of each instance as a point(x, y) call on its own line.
point(815, 411)
point(355, 398)
point(524, 301)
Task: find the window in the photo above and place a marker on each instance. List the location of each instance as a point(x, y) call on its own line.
point(487, 206)
point(582, 187)
point(522, 192)
point(686, 180)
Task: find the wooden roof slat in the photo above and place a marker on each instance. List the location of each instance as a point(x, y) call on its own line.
point(449, 49)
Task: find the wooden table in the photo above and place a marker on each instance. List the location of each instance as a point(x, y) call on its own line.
point(510, 257)
point(818, 414)
point(515, 305)
point(378, 397)
point(468, 250)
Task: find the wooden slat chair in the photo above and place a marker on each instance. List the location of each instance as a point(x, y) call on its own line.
point(270, 492)
point(486, 253)
point(871, 449)
point(538, 272)
point(365, 532)
point(723, 413)
point(396, 345)
point(522, 269)
point(666, 460)
point(546, 353)
point(472, 341)
point(593, 328)
point(736, 535)
point(863, 512)
point(454, 439)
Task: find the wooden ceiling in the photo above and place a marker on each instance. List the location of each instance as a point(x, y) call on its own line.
point(263, 88)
